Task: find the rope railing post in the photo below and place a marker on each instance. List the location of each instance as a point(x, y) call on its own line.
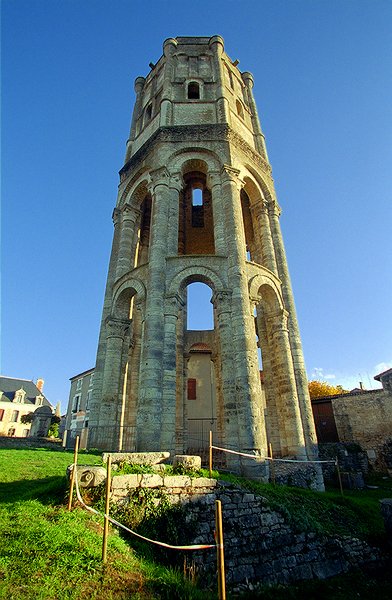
point(106, 517)
point(272, 463)
point(73, 474)
point(220, 551)
point(339, 476)
point(210, 455)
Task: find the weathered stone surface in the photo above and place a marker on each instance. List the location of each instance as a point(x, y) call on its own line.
point(88, 476)
point(151, 480)
point(187, 461)
point(199, 482)
point(136, 458)
point(386, 511)
point(126, 482)
point(177, 481)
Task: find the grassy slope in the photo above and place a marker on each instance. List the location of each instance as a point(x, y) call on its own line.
point(47, 553)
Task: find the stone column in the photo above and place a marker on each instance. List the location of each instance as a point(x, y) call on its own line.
point(258, 134)
point(166, 116)
point(117, 331)
point(295, 339)
point(139, 85)
point(150, 391)
point(214, 184)
point(217, 47)
point(175, 186)
point(125, 261)
point(222, 308)
point(168, 422)
point(274, 424)
point(94, 440)
point(288, 405)
point(263, 234)
point(252, 433)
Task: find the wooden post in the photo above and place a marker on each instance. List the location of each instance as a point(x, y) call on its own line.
point(220, 551)
point(73, 474)
point(210, 455)
point(339, 476)
point(107, 499)
point(272, 463)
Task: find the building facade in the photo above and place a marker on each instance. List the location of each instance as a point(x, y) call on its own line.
point(19, 398)
point(77, 417)
point(196, 203)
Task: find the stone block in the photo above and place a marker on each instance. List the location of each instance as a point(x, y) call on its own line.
point(150, 480)
point(125, 482)
point(198, 482)
point(136, 458)
point(177, 481)
point(190, 462)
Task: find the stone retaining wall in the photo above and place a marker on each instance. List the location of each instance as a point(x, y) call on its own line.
point(260, 545)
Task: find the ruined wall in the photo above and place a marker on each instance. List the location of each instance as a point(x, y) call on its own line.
point(260, 545)
point(365, 419)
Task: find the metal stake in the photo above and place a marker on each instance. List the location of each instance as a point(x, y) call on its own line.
point(210, 455)
point(220, 551)
point(107, 499)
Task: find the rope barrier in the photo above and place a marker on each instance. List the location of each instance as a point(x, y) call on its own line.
point(289, 460)
point(142, 537)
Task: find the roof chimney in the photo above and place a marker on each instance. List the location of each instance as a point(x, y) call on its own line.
point(40, 384)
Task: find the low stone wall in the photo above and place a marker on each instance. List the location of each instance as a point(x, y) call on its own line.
point(260, 546)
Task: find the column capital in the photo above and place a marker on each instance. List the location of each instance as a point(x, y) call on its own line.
point(158, 177)
point(261, 206)
point(129, 212)
point(274, 209)
point(230, 174)
point(116, 215)
point(117, 328)
point(222, 301)
point(176, 181)
point(173, 305)
point(213, 179)
point(278, 321)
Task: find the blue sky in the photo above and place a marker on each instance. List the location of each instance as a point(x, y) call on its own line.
point(323, 87)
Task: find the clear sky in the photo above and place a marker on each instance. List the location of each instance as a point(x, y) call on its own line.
point(323, 88)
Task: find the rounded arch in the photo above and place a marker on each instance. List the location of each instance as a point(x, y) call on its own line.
point(186, 159)
point(124, 291)
point(256, 184)
point(264, 288)
point(136, 189)
point(195, 274)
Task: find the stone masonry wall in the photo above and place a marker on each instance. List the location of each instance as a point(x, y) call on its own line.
point(365, 419)
point(260, 546)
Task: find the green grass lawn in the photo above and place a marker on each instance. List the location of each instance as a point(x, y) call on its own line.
point(48, 553)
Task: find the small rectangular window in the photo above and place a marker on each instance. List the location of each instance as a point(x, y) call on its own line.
point(79, 384)
point(75, 404)
point(15, 416)
point(191, 389)
point(1, 413)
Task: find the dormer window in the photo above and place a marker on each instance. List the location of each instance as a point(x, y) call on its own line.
point(20, 396)
point(39, 400)
point(193, 91)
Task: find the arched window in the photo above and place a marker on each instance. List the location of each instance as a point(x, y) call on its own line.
point(197, 197)
point(200, 315)
point(230, 77)
point(240, 110)
point(148, 114)
point(193, 91)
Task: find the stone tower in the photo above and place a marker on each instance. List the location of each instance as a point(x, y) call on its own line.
point(196, 203)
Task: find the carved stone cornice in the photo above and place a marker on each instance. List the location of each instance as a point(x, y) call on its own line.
point(197, 133)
